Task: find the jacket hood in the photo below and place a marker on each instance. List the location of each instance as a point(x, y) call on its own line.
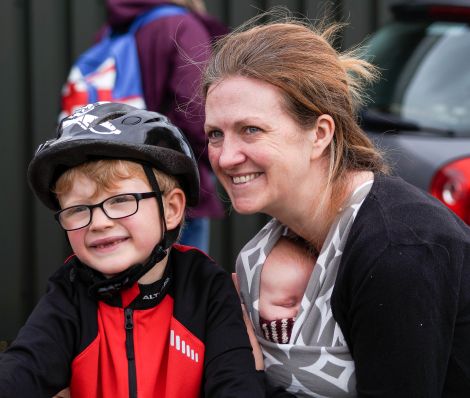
point(121, 13)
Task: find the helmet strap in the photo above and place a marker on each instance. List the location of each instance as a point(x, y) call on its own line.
point(156, 188)
point(103, 289)
point(168, 237)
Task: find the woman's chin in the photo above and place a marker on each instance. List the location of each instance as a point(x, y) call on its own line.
point(246, 207)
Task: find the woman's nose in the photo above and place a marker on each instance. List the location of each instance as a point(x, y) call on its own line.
point(232, 154)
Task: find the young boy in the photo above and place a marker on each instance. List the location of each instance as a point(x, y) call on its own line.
point(130, 314)
point(284, 278)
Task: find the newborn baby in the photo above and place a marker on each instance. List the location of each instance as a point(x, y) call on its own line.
point(284, 278)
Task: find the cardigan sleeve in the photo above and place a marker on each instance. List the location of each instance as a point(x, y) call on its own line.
point(397, 314)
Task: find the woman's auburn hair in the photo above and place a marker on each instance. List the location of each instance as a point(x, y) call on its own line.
point(313, 79)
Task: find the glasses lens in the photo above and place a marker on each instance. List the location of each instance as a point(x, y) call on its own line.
point(120, 206)
point(74, 217)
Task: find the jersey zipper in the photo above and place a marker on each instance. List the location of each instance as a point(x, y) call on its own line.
point(132, 374)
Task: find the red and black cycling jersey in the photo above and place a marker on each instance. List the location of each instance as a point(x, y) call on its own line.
point(182, 336)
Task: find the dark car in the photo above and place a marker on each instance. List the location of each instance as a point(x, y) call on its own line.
point(419, 111)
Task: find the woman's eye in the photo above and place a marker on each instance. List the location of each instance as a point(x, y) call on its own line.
point(252, 129)
point(215, 135)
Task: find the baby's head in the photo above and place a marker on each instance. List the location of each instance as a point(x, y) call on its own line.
point(119, 179)
point(284, 278)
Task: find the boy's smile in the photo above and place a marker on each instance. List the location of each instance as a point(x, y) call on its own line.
point(107, 245)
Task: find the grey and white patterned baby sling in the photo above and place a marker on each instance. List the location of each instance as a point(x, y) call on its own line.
point(316, 362)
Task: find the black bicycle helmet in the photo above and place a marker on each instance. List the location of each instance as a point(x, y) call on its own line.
point(107, 130)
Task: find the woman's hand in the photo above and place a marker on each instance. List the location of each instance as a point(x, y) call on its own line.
point(257, 353)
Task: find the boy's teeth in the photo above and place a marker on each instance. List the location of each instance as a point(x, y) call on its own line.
point(102, 246)
point(245, 178)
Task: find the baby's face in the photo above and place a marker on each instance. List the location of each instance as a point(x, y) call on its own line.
point(284, 279)
point(107, 245)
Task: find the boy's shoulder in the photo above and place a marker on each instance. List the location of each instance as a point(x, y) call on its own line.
point(187, 256)
point(190, 262)
point(66, 272)
point(73, 278)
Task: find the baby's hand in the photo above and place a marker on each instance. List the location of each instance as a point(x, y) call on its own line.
point(63, 394)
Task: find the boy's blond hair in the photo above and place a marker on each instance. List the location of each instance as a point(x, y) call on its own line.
point(106, 173)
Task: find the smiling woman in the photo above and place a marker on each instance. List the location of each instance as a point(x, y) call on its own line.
point(245, 149)
point(283, 139)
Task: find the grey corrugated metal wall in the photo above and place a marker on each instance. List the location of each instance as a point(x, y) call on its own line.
point(39, 40)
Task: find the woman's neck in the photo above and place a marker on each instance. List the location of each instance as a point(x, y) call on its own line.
point(314, 213)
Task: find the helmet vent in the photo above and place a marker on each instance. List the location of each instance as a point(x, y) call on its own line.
point(110, 116)
point(132, 120)
point(156, 119)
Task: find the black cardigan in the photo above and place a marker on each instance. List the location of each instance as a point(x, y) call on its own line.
point(402, 295)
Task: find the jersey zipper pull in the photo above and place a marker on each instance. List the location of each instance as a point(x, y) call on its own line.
point(129, 326)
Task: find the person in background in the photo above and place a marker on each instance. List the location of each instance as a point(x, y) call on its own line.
point(130, 313)
point(172, 51)
point(386, 311)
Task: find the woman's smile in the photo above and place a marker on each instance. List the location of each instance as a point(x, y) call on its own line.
point(243, 179)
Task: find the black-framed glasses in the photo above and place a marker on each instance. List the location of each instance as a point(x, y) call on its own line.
point(115, 207)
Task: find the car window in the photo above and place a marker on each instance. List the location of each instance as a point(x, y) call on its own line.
point(425, 70)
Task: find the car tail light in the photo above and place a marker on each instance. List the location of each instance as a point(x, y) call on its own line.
point(437, 12)
point(460, 13)
point(451, 185)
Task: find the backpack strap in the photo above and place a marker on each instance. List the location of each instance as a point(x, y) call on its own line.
point(155, 13)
